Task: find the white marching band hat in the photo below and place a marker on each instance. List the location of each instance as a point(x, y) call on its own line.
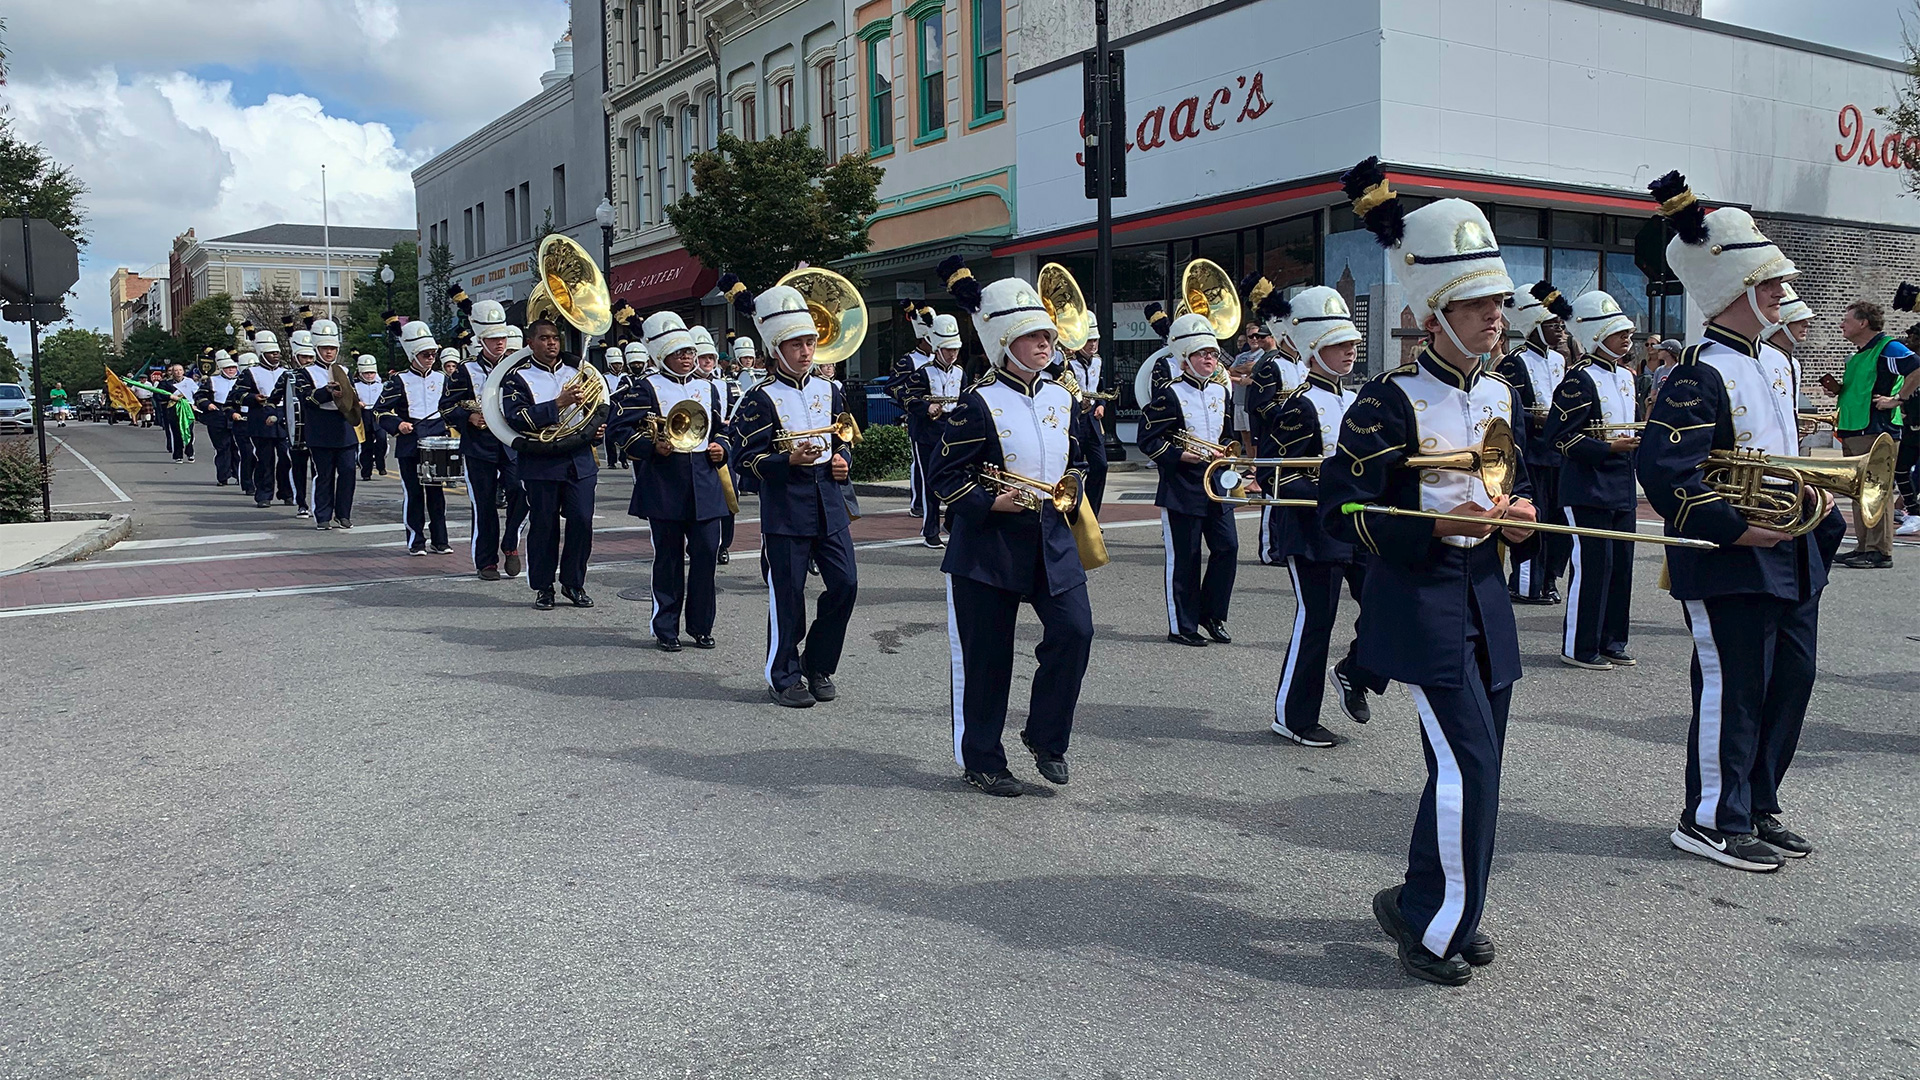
point(703, 342)
point(1596, 317)
point(1317, 318)
point(1003, 311)
point(1717, 256)
point(415, 336)
point(1536, 305)
point(222, 358)
point(302, 343)
point(743, 346)
point(665, 333)
point(1793, 309)
point(247, 360)
point(515, 338)
point(946, 332)
point(780, 315)
point(266, 342)
point(638, 356)
point(451, 352)
point(365, 362)
point(489, 319)
point(324, 332)
point(1189, 334)
point(1442, 253)
point(615, 356)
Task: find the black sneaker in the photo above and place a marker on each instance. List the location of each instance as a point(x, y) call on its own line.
point(1618, 657)
point(932, 541)
point(542, 598)
point(724, 557)
point(1052, 767)
point(821, 687)
point(793, 697)
point(1416, 959)
point(1789, 843)
point(999, 784)
point(1315, 736)
point(1188, 639)
point(1742, 851)
point(1353, 697)
point(489, 573)
point(304, 512)
point(1217, 630)
point(1596, 662)
point(342, 523)
point(1553, 596)
point(1876, 560)
point(1478, 950)
point(703, 641)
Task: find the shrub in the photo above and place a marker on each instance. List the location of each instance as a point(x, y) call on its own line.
point(19, 481)
point(884, 453)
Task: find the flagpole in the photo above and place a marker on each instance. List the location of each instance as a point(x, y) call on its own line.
point(326, 245)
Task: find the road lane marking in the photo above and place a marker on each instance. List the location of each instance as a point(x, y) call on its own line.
point(119, 495)
point(194, 541)
point(196, 598)
point(128, 564)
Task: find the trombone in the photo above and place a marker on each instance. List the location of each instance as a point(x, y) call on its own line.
point(843, 428)
point(1194, 444)
point(1532, 526)
point(1063, 495)
point(1232, 475)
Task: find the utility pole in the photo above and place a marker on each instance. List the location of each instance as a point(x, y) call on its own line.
point(1103, 151)
point(39, 381)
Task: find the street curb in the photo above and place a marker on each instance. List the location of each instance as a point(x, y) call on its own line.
point(883, 491)
point(109, 532)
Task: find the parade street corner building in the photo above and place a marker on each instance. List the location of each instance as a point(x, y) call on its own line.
point(1553, 115)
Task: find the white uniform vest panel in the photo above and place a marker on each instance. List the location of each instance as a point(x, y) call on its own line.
point(1761, 393)
point(803, 407)
point(369, 393)
point(1332, 408)
point(423, 393)
point(1034, 440)
point(1203, 407)
point(1544, 372)
point(1087, 372)
point(545, 385)
point(187, 388)
point(222, 386)
point(1292, 373)
point(1449, 418)
point(324, 377)
point(615, 382)
point(944, 382)
point(1615, 393)
point(265, 379)
point(668, 392)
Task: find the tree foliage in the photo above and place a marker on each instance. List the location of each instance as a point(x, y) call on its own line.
point(1903, 117)
point(11, 369)
point(265, 307)
point(364, 324)
point(205, 324)
point(760, 208)
point(77, 358)
point(146, 343)
point(440, 309)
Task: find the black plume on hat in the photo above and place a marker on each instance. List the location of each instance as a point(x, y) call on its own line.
point(392, 320)
point(464, 335)
point(287, 324)
point(246, 327)
point(1906, 296)
point(1379, 208)
point(306, 316)
point(460, 300)
point(737, 293)
point(622, 310)
point(1158, 319)
point(1255, 288)
point(1274, 306)
point(960, 282)
point(1544, 292)
point(1679, 206)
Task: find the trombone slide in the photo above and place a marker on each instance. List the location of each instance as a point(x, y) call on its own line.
point(1533, 526)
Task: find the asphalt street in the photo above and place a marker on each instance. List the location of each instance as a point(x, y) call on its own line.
point(413, 828)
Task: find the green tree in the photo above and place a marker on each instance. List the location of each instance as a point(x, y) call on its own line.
point(1902, 141)
point(364, 323)
point(265, 306)
point(11, 369)
point(148, 342)
point(205, 323)
point(32, 183)
point(440, 310)
point(78, 358)
point(760, 208)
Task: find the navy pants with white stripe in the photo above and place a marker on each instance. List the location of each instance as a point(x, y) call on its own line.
point(243, 455)
point(1316, 598)
point(1600, 595)
point(917, 481)
point(333, 481)
point(549, 504)
point(980, 631)
point(783, 565)
point(226, 453)
point(485, 480)
point(1533, 576)
point(684, 556)
point(1191, 598)
point(272, 470)
point(300, 469)
point(423, 508)
point(1093, 443)
point(1464, 732)
point(929, 499)
point(1753, 668)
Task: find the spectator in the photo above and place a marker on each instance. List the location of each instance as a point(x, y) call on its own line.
point(57, 403)
point(1642, 384)
point(1871, 386)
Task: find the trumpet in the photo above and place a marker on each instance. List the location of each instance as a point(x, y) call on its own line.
point(1194, 444)
point(1811, 422)
point(1771, 491)
point(1072, 386)
point(1232, 475)
point(843, 428)
point(1063, 495)
point(1602, 430)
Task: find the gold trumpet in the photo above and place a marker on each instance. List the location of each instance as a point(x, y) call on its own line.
point(1811, 422)
point(1771, 491)
point(1064, 495)
point(843, 428)
point(1072, 386)
point(683, 429)
point(1194, 444)
point(1601, 429)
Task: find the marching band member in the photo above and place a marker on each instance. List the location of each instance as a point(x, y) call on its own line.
point(1199, 406)
point(1006, 549)
point(803, 515)
point(1754, 603)
point(1165, 366)
point(409, 410)
point(178, 384)
point(332, 444)
point(919, 319)
point(1596, 482)
point(751, 374)
point(927, 419)
point(559, 486)
point(1535, 370)
point(211, 406)
point(639, 361)
point(1085, 365)
point(301, 460)
point(237, 418)
point(1275, 375)
point(616, 382)
point(706, 364)
point(1307, 424)
point(1435, 614)
point(679, 494)
point(265, 399)
point(373, 450)
point(490, 470)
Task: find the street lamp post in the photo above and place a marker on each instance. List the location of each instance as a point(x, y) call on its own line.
point(386, 278)
point(605, 215)
point(231, 340)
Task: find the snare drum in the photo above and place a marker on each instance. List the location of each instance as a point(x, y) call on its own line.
point(440, 461)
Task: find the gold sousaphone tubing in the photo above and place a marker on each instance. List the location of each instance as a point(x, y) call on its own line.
point(844, 428)
point(1064, 495)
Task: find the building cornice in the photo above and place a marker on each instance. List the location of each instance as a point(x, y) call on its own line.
point(686, 67)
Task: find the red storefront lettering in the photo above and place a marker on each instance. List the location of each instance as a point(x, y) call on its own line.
point(1851, 127)
point(1157, 118)
point(1869, 153)
point(1184, 129)
point(1255, 93)
point(1220, 97)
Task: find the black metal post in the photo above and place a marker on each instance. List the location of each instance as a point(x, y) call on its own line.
point(1103, 152)
point(39, 412)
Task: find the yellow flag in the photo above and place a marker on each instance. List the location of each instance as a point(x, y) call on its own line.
point(121, 396)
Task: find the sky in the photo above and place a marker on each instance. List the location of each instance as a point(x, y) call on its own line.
point(218, 114)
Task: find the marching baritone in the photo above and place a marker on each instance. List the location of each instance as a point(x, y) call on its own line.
point(409, 410)
point(211, 406)
point(263, 390)
point(1435, 613)
point(1752, 604)
point(803, 515)
point(706, 364)
point(559, 486)
point(1590, 425)
point(366, 384)
point(1535, 370)
point(1187, 424)
point(931, 392)
point(333, 444)
point(920, 320)
point(490, 471)
point(1011, 543)
point(1306, 424)
point(678, 490)
point(1085, 365)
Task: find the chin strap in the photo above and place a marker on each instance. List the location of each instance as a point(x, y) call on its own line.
point(1015, 361)
point(1451, 336)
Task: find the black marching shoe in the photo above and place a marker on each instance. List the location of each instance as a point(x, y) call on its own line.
point(793, 697)
point(1553, 596)
point(1742, 851)
point(1618, 657)
point(542, 599)
point(999, 784)
point(703, 641)
point(1217, 630)
point(1416, 959)
point(1353, 696)
point(1052, 767)
point(724, 557)
point(579, 597)
point(821, 687)
point(667, 644)
point(1316, 736)
point(512, 563)
point(1188, 639)
point(342, 523)
point(1778, 836)
point(1478, 950)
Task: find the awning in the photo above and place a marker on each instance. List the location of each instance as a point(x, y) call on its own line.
point(661, 280)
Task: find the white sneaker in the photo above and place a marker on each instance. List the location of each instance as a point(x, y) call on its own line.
point(1908, 527)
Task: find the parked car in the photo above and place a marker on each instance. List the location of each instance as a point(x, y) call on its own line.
point(93, 406)
point(16, 409)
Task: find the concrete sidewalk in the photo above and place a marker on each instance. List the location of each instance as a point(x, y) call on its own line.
point(31, 544)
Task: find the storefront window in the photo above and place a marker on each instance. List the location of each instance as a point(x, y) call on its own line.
point(1526, 263)
point(1575, 272)
point(1572, 228)
point(1222, 248)
point(1286, 254)
point(1518, 222)
point(1627, 285)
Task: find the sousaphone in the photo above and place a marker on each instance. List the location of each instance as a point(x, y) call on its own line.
point(572, 288)
point(839, 314)
point(1066, 305)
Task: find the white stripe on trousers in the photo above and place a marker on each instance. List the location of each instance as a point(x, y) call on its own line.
point(1525, 570)
point(473, 530)
point(1266, 536)
point(773, 610)
point(653, 594)
point(1712, 697)
point(1573, 595)
point(1166, 538)
point(406, 505)
point(1449, 829)
point(1293, 647)
point(959, 677)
